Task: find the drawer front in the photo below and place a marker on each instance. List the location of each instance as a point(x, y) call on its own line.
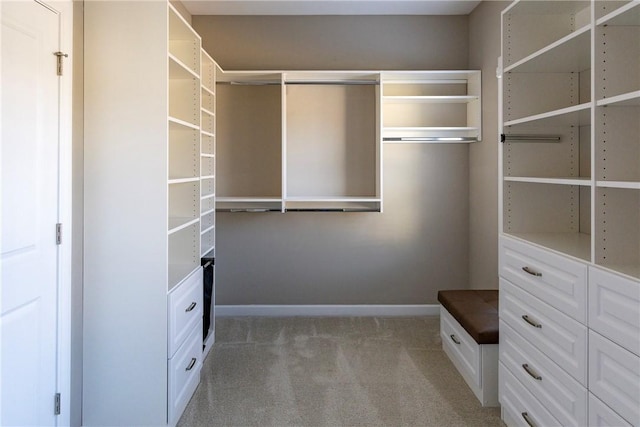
point(556, 280)
point(185, 310)
point(559, 337)
point(184, 373)
point(600, 415)
point(614, 308)
point(562, 395)
point(461, 346)
point(614, 377)
point(519, 407)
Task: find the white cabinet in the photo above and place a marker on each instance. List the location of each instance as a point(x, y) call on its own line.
point(142, 209)
point(570, 202)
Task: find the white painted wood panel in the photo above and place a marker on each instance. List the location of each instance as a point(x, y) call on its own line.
point(562, 395)
point(561, 283)
point(614, 377)
point(558, 336)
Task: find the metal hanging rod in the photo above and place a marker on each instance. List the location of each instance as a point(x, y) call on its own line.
point(251, 83)
point(531, 138)
point(305, 82)
point(450, 139)
point(333, 82)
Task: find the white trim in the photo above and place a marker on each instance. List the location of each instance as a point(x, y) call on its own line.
point(65, 11)
point(327, 310)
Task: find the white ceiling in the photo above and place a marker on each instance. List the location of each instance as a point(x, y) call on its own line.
point(330, 7)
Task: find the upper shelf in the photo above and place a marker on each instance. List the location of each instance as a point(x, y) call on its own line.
point(569, 54)
point(629, 14)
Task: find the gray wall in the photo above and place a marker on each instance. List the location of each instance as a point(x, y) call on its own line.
point(484, 50)
point(420, 244)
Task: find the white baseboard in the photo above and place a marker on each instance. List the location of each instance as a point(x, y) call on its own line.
point(327, 310)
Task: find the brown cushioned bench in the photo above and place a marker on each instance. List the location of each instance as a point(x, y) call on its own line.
point(475, 310)
point(469, 333)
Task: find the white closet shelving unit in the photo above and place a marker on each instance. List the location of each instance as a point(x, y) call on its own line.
point(208, 156)
point(570, 213)
point(314, 142)
point(143, 280)
point(431, 106)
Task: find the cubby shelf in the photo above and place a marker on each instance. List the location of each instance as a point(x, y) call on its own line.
point(629, 99)
point(586, 182)
point(568, 116)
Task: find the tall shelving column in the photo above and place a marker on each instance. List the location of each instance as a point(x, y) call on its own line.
point(617, 141)
point(547, 176)
point(208, 194)
point(184, 149)
point(207, 156)
point(142, 198)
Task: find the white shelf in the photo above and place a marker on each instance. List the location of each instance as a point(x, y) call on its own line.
point(183, 180)
point(452, 99)
point(208, 177)
point(570, 53)
point(207, 212)
point(249, 199)
point(176, 223)
point(569, 116)
point(629, 14)
point(208, 196)
point(207, 133)
point(332, 199)
point(630, 99)
point(178, 272)
point(176, 121)
point(209, 91)
point(206, 230)
point(577, 245)
point(180, 70)
point(630, 185)
point(555, 181)
point(631, 270)
point(204, 110)
point(207, 155)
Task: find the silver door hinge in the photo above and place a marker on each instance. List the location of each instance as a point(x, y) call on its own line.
point(58, 234)
point(56, 404)
point(60, 55)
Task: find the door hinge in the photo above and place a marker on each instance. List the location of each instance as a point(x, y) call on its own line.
point(58, 234)
point(60, 55)
point(56, 404)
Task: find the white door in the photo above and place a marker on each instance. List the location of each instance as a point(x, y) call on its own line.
point(29, 190)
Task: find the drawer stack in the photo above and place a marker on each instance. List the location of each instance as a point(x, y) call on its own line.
point(185, 343)
point(543, 337)
point(614, 349)
point(563, 361)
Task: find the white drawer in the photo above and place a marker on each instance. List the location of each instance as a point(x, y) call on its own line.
point(184, 373)
point(600, 415)
point(185, 310)
point(614, 377)
point(462, 348)
point(556, 280)
point(614, 308)
point(556, 390)
point(558, 336)
point(519, 407)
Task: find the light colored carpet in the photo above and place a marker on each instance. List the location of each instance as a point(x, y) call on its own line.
point(358, 371)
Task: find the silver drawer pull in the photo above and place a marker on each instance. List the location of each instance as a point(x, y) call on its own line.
point(191, 307)
point(531, 322)
point(532, 271)
point(531, 372)
point(191, 364)
point(528, 419)
point(454, 339)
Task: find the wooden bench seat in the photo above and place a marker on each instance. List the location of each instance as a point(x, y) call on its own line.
point(469, 333)
point(475, 310)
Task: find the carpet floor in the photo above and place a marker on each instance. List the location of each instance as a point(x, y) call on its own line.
point(332, 371)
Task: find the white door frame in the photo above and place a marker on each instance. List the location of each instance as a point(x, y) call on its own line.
point(65, 7)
